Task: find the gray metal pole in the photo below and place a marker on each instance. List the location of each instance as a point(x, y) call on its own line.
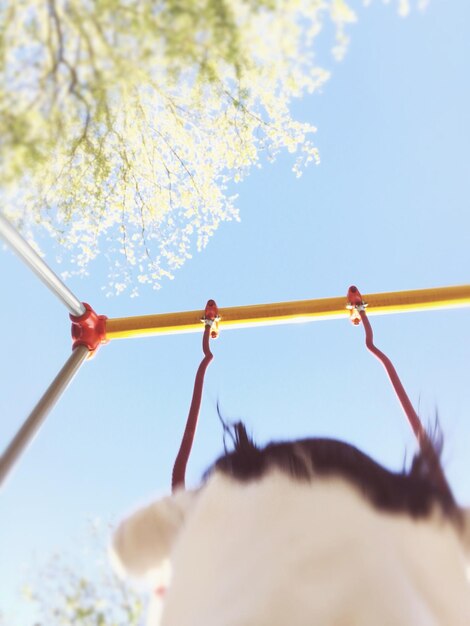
point(40, 268)
point(41, 410)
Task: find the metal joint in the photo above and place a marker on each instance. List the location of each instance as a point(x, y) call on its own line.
point(355, 304)
point(88, 329)
point(212, 318)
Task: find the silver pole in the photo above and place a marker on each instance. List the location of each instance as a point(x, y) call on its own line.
point(40, 268)
point(38, 415)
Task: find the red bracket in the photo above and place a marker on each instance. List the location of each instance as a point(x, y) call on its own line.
point(211, 318)
point(355, 304)
point(88, 329)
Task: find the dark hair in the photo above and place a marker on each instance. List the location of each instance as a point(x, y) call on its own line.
point(412, 491)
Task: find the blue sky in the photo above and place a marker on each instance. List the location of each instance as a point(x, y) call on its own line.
point(387, 209)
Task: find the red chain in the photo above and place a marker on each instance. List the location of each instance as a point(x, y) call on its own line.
point(357, 307)
point(211, 318)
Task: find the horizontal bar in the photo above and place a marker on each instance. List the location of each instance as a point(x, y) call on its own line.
point(40, 267)
point(289, 312)
point(38, 415)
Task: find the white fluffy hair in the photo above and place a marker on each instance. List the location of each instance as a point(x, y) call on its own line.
point(278, 551)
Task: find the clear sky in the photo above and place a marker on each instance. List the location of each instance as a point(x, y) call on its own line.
point(387, 209)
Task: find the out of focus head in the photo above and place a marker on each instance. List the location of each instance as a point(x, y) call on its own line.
point(303, 532)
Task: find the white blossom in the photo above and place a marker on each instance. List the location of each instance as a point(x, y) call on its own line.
point(122, 122)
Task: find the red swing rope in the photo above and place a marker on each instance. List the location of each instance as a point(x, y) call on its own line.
point(211, 318)
point(358, 314)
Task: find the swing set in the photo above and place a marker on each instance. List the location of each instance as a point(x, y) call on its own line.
point(90, 330)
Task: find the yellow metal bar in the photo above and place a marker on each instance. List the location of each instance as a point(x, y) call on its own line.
point(289, 312)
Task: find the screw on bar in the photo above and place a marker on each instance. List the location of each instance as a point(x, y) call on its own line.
point(355, 305)
point(211, 318)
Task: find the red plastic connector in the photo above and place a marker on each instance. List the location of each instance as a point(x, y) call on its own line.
point(355, 304)
point(211, 318)
point(88, 329)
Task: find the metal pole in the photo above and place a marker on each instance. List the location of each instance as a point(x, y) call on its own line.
point(38, 415)
point(40, 268)
point(289, 312)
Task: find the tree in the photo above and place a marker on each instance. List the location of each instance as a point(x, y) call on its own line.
point(123, 121)
point(82, 590)
point(74, 600)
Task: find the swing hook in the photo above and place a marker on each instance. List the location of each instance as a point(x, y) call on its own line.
point(355, 305)
point(211, 318)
